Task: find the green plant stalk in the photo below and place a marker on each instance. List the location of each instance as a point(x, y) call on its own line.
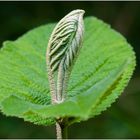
point(62, 129)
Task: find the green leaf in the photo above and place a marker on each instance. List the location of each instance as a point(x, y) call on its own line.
point(102, 71)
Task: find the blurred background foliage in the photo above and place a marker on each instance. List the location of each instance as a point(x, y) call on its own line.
point(122, 119)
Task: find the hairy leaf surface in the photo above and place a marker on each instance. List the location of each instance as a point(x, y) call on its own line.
point(102, 71)
point(63, 47)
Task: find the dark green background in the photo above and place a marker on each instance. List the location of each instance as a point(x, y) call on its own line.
point(122, 120)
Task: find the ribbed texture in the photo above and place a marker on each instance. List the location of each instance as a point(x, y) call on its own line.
point(62, 51)
point(65, 40)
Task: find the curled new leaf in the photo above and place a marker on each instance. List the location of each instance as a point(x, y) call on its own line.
point(62, 50)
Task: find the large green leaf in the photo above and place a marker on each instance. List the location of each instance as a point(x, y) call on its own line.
point(102, 71)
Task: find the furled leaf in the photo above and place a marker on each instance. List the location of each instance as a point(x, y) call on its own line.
point(102, 71)
point(63, 47)
point(66, 40)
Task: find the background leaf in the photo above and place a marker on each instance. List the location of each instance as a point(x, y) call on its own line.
point(102, 71)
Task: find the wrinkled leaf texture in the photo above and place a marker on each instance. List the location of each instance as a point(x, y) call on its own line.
point(102, 71)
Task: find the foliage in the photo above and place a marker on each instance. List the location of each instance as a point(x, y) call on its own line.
point(102, 71)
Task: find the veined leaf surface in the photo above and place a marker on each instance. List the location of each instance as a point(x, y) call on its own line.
point(102, 71)
point(63, 47)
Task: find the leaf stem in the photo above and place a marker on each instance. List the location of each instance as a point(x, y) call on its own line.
point(61, 129)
